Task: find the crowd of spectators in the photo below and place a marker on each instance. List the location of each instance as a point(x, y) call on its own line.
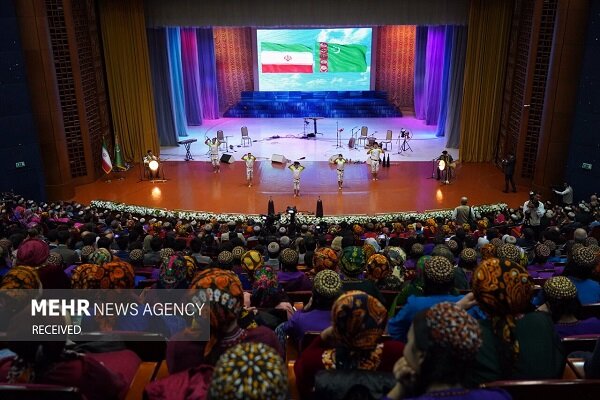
point(405, 309)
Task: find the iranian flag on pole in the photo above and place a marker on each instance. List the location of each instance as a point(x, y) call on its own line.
point(342, 57)
point(106, 163)
point(286, 58)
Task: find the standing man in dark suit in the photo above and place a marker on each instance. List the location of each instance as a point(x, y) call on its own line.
point(508, 166)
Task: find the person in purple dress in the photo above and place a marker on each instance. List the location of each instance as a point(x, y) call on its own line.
point(442, 342)
point(316, 315)
point(564, 306)
point(289, 277)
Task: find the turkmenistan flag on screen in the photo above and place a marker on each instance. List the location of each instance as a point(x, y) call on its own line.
point(285, 58)
point(334, 57)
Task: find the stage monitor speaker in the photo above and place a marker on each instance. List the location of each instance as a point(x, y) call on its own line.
point(227, 158)
point(278, 158)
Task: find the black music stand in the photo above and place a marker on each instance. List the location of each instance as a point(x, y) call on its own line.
point(315, 133)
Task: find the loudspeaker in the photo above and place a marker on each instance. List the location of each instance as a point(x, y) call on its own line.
point(227, 158)
point(278, 158)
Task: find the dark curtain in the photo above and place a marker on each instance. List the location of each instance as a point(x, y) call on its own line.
point(420, 62)
point(433, 73)
point(159, 67)
point(191, 76)
point(455, 86)
point(441, 123)
point(208, 73)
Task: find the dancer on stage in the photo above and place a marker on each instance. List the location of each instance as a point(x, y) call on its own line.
point(249, 158)
point(340, 162)
point(214, 144)
point(296, 170)
point(374, 157)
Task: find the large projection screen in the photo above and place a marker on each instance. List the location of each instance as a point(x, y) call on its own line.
point(332, 59)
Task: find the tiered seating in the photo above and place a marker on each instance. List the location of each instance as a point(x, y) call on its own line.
point(349, 104)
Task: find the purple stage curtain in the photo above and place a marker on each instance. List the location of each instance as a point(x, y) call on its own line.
point(191, 76)
point(436, 40)
point(208, 73)
point(420, 58)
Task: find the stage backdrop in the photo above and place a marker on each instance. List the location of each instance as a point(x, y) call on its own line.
point(233, 50)
point(395, 64)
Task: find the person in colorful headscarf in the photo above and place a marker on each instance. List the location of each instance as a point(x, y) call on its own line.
point(442, 342)
point(564, 306)
point(289, 277)
point(324, 258)
point(517, 343)
point(185, 350)
point(352, 265)
point(316, 315)
point(439, 283)
point(97, 376)
point(580, 264)
point(353, 342)
point(249, 371)
point(100, 257)
point(173, 273)
point(12, 297)
point(380, 272)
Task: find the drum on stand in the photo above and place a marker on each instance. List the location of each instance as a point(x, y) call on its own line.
point(441, 165)
point(351, 142)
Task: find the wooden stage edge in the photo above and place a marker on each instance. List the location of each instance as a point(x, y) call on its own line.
point(404, 186)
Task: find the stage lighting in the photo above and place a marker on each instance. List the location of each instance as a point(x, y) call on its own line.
point(153, 165)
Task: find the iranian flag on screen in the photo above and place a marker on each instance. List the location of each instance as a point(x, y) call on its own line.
point(342, 57)
point(285, 58)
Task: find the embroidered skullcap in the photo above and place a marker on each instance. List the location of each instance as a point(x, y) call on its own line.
point(397, 255)
point(225, 258)
point(325, 258)
point(251, 261)
point(352, 261)
point(511, 240)
point(327, 284)
point(496, 242)
point(336, 243)
point(452, 244)
point(541, 250)
point(378, 267)
point(136, 255)
point(54, 258)
point(510, 252)
point(590, 240)
point(284, 241)
point(223, 290)
point(439, 270)
point(583, 257)
point(452, 328)
point(6, 244)
point(166, 252)
point(503, 290)
point(417, 249)
point(468, 255)
point(273, 248)
point(238, 252)
point(173, 273)
point(33, 252)
point(249, 371)
point(551, 245)
point(100, 256)
point(282, 230)
point(289, 257)
point(208, 227)
point(560, 288)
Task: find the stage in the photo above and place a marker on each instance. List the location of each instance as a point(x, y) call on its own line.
point(285, 136)
point(405, 186)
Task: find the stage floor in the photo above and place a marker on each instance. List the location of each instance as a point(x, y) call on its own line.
point(289, 143)
point(405, 186)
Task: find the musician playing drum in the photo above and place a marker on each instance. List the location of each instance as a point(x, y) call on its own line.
point(147, 159)
point(374, 154)
point(213, 144)
point(445, 166)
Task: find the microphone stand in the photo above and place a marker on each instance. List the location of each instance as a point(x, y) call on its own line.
point(338, 142)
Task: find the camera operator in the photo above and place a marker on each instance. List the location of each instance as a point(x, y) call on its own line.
point(566, 193)
point(533, 210)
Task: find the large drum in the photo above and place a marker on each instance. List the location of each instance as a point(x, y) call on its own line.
point(441, 165)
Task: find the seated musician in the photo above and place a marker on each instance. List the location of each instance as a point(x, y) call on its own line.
point(147, 158)
point(447, 159)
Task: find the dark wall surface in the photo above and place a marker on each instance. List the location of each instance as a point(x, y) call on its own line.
point(18, 137)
